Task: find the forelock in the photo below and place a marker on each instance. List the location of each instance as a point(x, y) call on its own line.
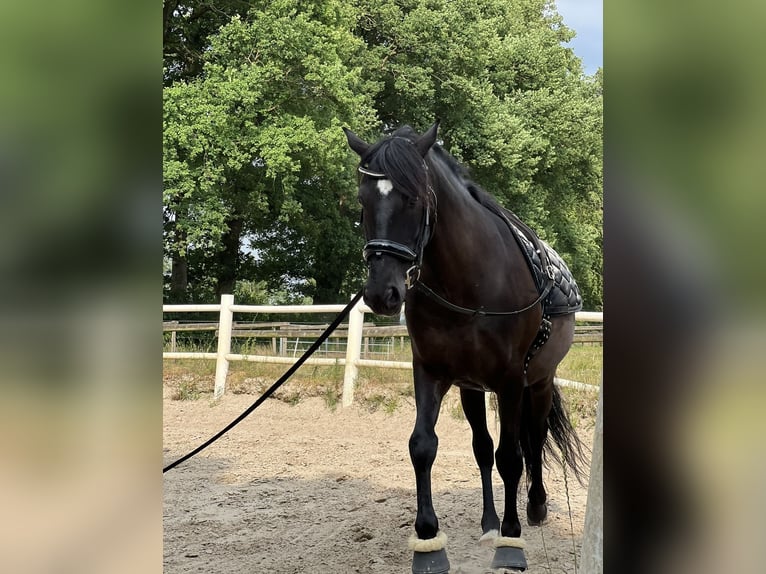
point(398, 158)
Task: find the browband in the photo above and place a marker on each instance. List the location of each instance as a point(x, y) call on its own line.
point(370, 173)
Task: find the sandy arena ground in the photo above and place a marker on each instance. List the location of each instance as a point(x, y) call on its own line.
point(303, 489)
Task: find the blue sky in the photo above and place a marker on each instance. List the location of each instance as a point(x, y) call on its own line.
point(587, 19)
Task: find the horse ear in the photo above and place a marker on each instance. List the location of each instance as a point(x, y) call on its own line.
point(356, 143)
point(428, 139)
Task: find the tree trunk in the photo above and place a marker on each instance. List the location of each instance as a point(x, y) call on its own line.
point(328, 274)
point(179, 278)
point(179, 270)
point(228, 257)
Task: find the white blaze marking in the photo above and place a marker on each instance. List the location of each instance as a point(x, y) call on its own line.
point(385, 186)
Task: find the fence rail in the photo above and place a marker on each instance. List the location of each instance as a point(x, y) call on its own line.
point(356, 332)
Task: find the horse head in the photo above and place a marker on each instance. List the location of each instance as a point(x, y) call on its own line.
point(397, 212)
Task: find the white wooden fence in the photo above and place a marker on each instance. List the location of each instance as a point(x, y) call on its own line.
point(352, 362)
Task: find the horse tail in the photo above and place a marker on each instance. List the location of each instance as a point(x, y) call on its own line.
point(569, 449)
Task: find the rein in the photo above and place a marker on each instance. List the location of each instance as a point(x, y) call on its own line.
point(412, 278)
point(314, 346)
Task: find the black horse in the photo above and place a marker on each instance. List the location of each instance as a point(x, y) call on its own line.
point(489, 307)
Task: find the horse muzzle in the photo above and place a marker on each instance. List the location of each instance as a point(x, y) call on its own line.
point(386, 287)
point(386, 302)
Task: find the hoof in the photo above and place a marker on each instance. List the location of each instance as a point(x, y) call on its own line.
point(536, 513)
point(509, 557)
point(430, 562)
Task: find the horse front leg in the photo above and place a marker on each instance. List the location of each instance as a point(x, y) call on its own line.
point(423, 445)
point(430, 555)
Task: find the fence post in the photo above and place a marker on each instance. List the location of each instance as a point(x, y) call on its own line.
point(591, 558)
point(224, 344)
point(353, 352)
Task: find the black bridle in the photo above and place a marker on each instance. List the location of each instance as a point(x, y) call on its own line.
point(377, 247)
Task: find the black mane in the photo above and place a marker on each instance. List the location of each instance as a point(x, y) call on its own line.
point(462, 175)
point(397, 157)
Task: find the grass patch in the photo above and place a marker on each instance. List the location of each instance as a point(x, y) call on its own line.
point(188, 379)
point(186, 390)
point(197, 368)
point(292, 398)
point(388, 402)
point(377, 388)
point(583, 363)
point(331, 397)
point(456, 412)
point(581, 405)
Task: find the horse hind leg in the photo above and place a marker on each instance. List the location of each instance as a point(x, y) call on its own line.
point(483, 450)
point(508, 457)
point(509, 547)
point(536, 404)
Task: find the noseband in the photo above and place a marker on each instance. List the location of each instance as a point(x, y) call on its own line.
point(399, 250)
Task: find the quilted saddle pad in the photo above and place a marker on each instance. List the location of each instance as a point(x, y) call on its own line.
point(564, 297)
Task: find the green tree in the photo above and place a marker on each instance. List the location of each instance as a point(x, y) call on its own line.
point(259, 185)
point(186, 29)
point(257, 134)
point(514, 103)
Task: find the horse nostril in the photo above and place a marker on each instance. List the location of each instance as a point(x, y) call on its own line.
point(393, 297)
